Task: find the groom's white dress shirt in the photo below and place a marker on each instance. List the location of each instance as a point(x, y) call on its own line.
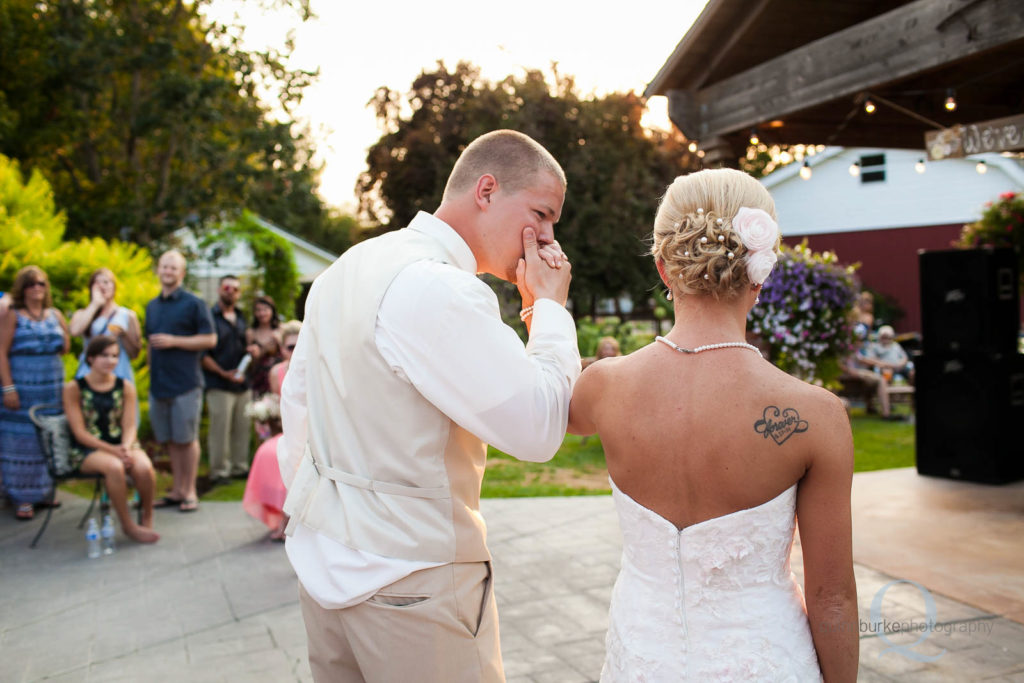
point(476, 372)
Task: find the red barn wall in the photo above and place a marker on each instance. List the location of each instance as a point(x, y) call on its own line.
point(888, 260)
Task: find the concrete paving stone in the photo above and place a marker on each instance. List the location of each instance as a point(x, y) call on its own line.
point(867, 675)
point(537, 662)
point(560, 674)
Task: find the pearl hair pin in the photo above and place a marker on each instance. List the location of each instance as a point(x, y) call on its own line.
point(721, 238)
point(700, 212)
point(703, 240)
point(731, 256)
point(708, 347)
point(720, 221)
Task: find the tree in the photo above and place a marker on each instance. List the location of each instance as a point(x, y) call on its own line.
point(145, 116)
point(32, 233)
point(617, 170)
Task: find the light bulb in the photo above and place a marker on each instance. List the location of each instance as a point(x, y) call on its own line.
point(855, 169)
point(692, 147)
point(919, 166)
point(805, 171)
point(981, 167)
point(753, 136)
point(869, 107)
point(950, 100)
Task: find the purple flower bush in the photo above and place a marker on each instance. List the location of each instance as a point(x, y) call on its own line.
point(803, 319)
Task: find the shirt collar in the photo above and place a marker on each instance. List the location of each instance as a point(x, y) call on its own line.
point(173, 295)
point(452, 241)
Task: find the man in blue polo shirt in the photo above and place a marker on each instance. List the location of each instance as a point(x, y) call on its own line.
point(179, 329)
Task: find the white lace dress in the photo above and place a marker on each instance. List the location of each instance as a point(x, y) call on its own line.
point(715, 601)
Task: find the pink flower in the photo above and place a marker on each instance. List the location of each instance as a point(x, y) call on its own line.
point(759, 234)
point(759, 265)
point(756, 229)
point(1008, 195)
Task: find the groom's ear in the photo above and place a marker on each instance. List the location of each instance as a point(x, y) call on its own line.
point(486, 186)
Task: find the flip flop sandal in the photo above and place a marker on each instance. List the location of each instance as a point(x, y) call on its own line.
point(189, 505)
point(167, 502)
point(25, 512)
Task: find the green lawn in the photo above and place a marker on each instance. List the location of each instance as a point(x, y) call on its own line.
point(579, 467)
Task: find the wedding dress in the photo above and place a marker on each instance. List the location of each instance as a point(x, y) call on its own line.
point(715, 601)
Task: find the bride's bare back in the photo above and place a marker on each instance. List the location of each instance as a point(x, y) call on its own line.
point(694, 437)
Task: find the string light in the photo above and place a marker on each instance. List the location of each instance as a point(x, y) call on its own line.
point(805, 171)
point(692, 147)
point(753, 136)
point(919, 166)
point(869, 106)
point(982, 167)
point(855, 169)
point(951, 100)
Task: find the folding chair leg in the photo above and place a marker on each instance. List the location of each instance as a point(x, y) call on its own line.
point(96, 491)
point(49, 511)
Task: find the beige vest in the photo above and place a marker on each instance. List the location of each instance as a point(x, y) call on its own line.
point(384, 470)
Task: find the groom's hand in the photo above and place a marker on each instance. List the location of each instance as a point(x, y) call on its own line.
point(544, 272)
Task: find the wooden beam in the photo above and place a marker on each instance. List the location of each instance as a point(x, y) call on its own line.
point(912, 39)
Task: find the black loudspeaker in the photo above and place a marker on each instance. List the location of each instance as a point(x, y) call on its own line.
point(970, 409)
point(970, 301)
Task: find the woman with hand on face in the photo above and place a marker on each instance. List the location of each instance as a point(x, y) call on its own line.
point(100, 408)
point(714, 455)
point(33, 337)
point(264, 343)
point(104, 316)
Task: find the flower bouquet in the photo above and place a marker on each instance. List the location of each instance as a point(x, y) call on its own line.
point(1001, 225)
point(803, 318)
point(266, 415)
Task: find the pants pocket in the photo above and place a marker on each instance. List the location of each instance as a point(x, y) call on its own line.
point(472, 594)
point(395, 600)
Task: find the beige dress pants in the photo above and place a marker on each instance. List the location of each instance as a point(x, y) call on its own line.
point(227, 441)
point(435, 625)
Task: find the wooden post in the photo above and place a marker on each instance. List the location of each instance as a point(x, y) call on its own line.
point(719, 153)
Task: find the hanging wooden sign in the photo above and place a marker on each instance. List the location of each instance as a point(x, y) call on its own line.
point(997, 135)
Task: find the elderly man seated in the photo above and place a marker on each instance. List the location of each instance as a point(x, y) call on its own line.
point(888, 357)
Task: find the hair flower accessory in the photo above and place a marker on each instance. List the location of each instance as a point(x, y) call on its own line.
point(759, 234)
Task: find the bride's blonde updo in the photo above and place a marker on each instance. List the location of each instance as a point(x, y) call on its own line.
point(694, 235)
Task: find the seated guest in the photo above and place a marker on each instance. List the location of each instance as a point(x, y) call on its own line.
point(100, 408)
point(607, 347)
point(264, 491)
point(853, 368)
point(888, 357)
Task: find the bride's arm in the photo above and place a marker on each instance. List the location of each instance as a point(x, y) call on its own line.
point(585, 395)
point(823, 513)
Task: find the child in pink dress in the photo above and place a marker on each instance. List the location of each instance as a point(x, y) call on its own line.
point(264, 491)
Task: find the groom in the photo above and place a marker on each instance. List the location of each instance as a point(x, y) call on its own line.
point(403, 372)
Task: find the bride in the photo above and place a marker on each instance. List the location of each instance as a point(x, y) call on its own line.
point(713, 453)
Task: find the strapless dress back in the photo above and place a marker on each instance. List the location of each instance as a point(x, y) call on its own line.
point(715, 601)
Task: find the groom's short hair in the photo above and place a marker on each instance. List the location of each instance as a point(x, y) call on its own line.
point(513, 158)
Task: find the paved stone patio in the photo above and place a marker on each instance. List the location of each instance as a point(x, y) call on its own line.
point(215, 601)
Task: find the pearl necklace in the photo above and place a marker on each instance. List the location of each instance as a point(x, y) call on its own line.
point(709, 347)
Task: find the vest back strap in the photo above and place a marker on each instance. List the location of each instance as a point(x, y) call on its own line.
point(335, 474)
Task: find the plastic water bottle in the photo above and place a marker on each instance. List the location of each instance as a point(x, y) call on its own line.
point(107, 533)
point(243, 365)
point(92, 539)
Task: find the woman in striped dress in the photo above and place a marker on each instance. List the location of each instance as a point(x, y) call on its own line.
point(33, 336)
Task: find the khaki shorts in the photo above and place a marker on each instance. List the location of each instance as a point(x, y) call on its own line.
point(176, 419)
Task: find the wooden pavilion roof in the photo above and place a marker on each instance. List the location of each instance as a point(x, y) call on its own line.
point(798, 71)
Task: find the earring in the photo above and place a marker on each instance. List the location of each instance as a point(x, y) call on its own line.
point(668, 294)
point(757, 300)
